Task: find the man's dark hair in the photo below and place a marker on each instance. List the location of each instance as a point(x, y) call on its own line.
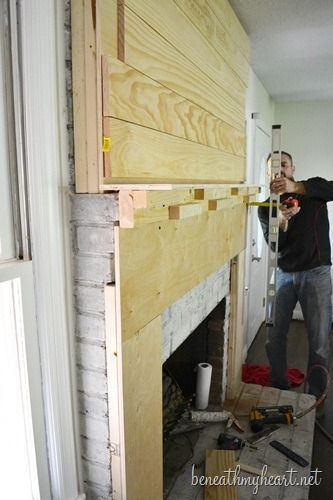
point(283, 153)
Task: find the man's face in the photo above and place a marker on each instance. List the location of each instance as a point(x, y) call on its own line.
point(287, 169)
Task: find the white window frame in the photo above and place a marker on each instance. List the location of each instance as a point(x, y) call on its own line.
point(45, 145)
point(30, 375)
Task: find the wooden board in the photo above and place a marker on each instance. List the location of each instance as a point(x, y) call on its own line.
point(145, 153)
point(229, 20)
point(217, 462)
point(131, 96)
point(172, 24)
point(109, 29)
point(162, 261)
point(201, 15)
point(87, 99)
point(237, 327)
point(148, 52)
point(142, 382)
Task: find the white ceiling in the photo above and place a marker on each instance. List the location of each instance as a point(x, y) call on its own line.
point(291, 46)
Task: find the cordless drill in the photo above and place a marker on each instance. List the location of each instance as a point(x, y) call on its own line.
point(264, 415)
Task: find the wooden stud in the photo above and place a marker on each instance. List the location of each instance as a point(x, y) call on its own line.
point(182, 211)
point(217, 463)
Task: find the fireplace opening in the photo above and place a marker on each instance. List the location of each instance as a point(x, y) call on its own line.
point(206, 344)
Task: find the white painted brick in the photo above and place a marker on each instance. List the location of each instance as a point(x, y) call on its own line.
point(93, 406)
point(95, 207)
point(97, 473)
point(92, 383)
point(182, 317)
point(90, 298)
point(95, 451)
point(95, 493)
point(95, 269)
point(95, 239)
point(90, 327)
point(90, 356)
point(94, 428)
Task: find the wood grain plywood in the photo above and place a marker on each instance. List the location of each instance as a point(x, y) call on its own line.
point(145, 153)
point(142, 386)
point(201, 15)
point(161, 261)
point(229, 20)
point(148, 52)
point(172, 24)
point(131, 96)
point(109, 29)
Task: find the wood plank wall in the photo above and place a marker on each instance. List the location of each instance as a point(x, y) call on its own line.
point(174, 105)
point(159, 96)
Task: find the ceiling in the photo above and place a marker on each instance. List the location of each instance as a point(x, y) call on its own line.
point(291, 46)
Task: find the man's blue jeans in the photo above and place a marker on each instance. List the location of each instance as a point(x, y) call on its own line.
point(313, 290)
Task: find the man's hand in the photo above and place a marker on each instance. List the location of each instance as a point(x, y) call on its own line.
point(283, 185)
point(285, 214)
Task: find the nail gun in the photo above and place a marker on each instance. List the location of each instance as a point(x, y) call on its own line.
point(263, 415)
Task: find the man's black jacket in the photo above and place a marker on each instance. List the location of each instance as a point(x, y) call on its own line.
point(306, 243)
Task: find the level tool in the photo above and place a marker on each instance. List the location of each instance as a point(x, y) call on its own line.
point(273, 228)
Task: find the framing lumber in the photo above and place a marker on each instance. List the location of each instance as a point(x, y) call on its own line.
point(148, 52)
point(134, 97)
point(140, 152)
point(171, 257)
point(217, 463)
point(87, 98)
point(201, 15)
point(142, 381)
point(109, 28)
point(237, 327)
point(177, 212)
point(173, 25)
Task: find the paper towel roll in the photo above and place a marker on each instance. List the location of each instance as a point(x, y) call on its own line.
point(204, 376)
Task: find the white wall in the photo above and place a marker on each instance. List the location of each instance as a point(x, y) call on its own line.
point(257, 101)
point(307, 133)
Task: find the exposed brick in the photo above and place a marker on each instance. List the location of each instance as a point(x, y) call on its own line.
point(90, 327)
point(95, 451)
point(94, 269)
point(94, 239)
point(92, 383)
point(90, 298)
point(97, 473)
point(94, 428)
point(92, 357)
point(93, 406)
point(98, 208)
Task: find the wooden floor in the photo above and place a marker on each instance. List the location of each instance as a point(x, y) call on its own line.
point(298, 436)
point(191, 449)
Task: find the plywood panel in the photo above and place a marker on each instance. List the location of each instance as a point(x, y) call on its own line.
point(148, 52)
point(200, 14)
point(144, 153)
point(131, 96)
point(142, 383)
point(162, 261)
point(171, 23)
point(109, 30)
point(229, 20)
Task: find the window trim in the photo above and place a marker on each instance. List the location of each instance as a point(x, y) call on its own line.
point(45, 140)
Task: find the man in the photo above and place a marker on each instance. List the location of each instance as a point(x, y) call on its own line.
point(303, 272)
